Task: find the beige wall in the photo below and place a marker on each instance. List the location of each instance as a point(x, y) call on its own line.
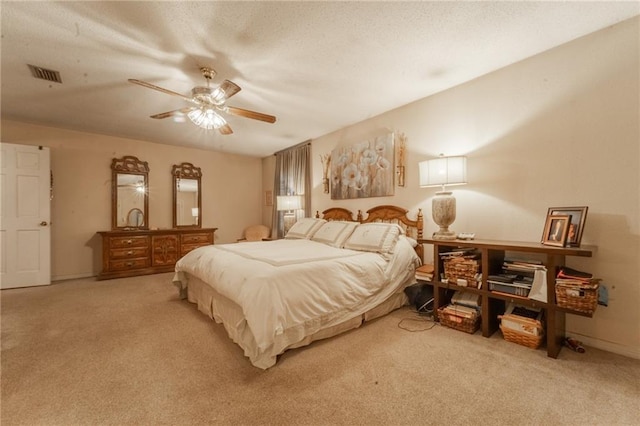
point(557, 129)
point(231, 190)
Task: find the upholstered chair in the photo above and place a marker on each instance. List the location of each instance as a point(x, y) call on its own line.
point(256, 233)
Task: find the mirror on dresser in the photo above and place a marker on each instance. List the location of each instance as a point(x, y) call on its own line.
point(130, 193)
point(187, 196)
point(131, 248)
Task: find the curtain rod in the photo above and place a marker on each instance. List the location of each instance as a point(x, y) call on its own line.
point(307, 142)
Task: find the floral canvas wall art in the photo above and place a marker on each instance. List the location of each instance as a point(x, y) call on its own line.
point(364, 169)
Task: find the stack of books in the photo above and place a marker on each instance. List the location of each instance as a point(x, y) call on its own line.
point(516, 277)
point(505, 283)
point(464, 298)
point(459, 311)
point(461, 314)
point(461, 267)
point(567, 275)
point(577, 290)
point(424, 273)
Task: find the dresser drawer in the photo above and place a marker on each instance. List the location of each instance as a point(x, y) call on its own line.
point(129, 253)
point(126, 264)
point(123, 242)
point(165, 243)
point(186, 248)
point(201, 239)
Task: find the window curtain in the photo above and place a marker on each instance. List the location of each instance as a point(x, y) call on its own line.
point(292, 177)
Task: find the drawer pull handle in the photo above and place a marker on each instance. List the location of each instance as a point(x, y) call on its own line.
point(129, 264)
point(129, 242)
point(130, 252)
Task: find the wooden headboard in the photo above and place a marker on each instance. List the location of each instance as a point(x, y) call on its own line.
point(337, 213)
point(386, 213)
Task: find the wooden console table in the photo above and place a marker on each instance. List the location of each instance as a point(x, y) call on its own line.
point(493, 304)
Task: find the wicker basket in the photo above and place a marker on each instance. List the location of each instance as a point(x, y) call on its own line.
point(529, 334)
point(580, 297)
point(458, 322)
point(460, 268)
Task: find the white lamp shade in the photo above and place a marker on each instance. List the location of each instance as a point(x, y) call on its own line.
point(443, 171)
point(289, 202)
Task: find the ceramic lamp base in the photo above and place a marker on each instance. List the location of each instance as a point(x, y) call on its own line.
point(289, 221)
point(444, 214)
point(444, 235)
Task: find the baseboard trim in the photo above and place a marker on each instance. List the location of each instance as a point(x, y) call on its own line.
point(615, 348)
point(71, 277)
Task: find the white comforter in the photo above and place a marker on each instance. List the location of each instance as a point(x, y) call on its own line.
point(285, 285)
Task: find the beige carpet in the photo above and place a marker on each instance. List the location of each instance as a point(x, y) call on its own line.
point(128, 351)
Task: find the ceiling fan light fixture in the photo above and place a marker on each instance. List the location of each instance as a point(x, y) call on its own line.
point(209, 102)
point(206, 118)
point(209, 95)
point(218, 96)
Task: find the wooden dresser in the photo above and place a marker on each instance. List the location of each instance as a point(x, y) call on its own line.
point(142, 252)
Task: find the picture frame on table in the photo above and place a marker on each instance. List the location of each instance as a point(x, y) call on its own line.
point(556, 230)
point(576, 226)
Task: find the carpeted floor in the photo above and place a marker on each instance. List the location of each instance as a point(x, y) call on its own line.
point(128, 351)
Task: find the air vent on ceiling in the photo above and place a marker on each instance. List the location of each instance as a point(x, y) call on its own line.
point(45, 74)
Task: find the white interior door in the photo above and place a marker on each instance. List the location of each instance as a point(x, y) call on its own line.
point(25, 234)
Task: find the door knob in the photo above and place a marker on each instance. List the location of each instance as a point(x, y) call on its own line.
point(43, 223)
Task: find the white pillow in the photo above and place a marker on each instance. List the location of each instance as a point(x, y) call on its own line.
point(334, 233)
point(377, 237)
point(304, 228)
point(412, 241)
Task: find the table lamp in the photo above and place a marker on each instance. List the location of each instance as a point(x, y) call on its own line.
point(288, 204)
point(443, 171)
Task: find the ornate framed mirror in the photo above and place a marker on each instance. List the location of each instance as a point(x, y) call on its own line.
point(129, 193)
point(187, 196)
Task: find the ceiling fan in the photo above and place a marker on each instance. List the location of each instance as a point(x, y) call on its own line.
point(208, 102)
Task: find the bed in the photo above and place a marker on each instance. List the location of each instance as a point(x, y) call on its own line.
point(328, 275)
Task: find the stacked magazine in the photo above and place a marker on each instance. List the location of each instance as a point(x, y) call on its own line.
point(575, 278)
point(424, 273)
point(516, 277)
point(459, 311)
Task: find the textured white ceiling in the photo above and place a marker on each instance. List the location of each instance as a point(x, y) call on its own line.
point(317, 66)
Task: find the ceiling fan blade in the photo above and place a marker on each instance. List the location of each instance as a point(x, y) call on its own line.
point(250, 114)
point(229, 88)
point(173, 113)
point(160, 89)
point(225, 130)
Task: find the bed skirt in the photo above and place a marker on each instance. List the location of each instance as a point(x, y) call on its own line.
point(229, 314)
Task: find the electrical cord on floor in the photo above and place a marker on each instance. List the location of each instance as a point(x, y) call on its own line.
point(422, 317)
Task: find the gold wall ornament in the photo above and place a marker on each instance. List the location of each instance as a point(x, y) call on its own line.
point(400, 172)
point(402, 140)
point(326, 162)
